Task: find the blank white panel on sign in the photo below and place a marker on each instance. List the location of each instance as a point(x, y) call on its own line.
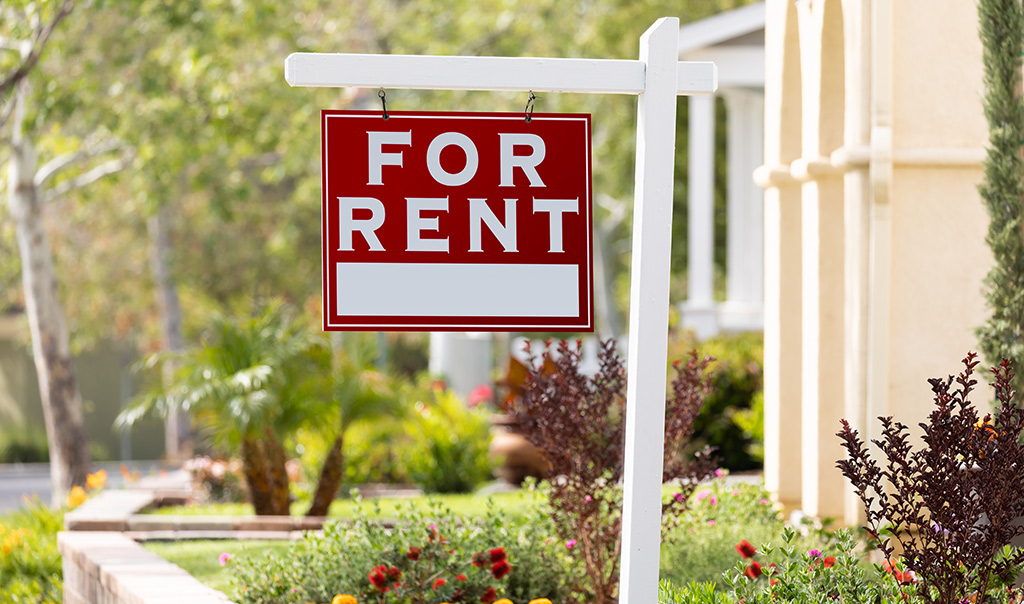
point(454, 290)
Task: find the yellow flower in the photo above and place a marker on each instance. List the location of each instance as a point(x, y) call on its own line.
point(76, 497)
point(540, 601)
point(96, 480)
point(504, 601)
point(344, 599)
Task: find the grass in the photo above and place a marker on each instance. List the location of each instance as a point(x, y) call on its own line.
point(514, 504)
point(201, 559)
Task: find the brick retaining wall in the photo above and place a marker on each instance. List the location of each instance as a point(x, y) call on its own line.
point(110, 568)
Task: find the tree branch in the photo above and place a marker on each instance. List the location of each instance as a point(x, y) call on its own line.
point(85, 151)
point(39, 41)
point(106, 168)
point(6, 110)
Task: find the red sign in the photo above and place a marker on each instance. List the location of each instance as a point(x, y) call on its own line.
point(456, 222)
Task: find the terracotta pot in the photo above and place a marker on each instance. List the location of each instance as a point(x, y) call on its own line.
point(519, 457)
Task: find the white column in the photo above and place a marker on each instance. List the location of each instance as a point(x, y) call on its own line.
point(699, 312)
point(743, 309)
point(465, 360)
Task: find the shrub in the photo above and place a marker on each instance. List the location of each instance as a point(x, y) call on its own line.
point(732, 420)
point(793, 573)
point(425, 558)
point(577, 422)
point(21, 445)
point(955, 503)
point(30, 565)
point(448, 453)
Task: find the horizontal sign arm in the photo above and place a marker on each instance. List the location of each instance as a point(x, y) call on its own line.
point(487, 73)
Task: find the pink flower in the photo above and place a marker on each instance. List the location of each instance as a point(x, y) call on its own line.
point(223, 558)
point(570, 543)
point(712, 522)
point(814, 553)
point(588, 499)
point(703, 495)
point(719, 472)
point(713, 501)
point(481, 394)
point(679, 497)
point(765, 502)
point(735, 492)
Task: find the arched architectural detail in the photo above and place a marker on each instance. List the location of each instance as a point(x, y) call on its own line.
point(823, 277)
point(782, 254)
point(891, 230)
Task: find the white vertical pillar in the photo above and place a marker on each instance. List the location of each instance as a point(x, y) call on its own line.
point(648, 316)
point(465, 360)
point(743, 307)
point(699, 311)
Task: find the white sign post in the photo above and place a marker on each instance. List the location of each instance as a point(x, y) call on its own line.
point(657, 78)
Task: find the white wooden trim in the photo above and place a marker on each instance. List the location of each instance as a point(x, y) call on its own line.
point(647, 359)
point(607, 76)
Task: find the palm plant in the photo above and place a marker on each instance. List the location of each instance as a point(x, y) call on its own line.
point(248, 384)
point(356, 392)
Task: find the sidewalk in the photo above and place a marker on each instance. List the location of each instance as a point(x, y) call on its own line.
point(20, 480)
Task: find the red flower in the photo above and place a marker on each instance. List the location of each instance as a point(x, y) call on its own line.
point(414, 553)
point(489, 596)
point(753, 570)
point(497, 555)
point(460, 577)
point(746, 550)
point(438, 582)
point(479, 560)
point(394, 573)
point(828, 561)
point(378, 576)
point(500, 569)
point(904, 577)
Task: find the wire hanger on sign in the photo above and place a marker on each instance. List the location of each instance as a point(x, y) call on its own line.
point(383, 103)
point(529, 106)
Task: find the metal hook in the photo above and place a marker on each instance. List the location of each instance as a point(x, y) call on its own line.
point(383, 103)
point(529, 106)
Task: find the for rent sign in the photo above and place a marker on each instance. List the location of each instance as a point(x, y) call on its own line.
point(457, 221)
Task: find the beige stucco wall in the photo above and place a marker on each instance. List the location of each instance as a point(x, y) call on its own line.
point(913, 252)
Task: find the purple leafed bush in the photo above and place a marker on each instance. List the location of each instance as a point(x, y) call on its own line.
point(577, 422)
point(955, 503)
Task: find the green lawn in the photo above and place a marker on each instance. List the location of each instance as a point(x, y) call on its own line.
point(514, 504)
point(201, 559)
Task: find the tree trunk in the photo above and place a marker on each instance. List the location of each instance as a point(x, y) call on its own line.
point(70, 460)
point(254, 466)
point(330, 479)
point(277, 472)
point(177, 431)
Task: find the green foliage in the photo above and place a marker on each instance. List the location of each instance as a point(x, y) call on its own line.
point(21, 445)
point(448, 453)
point(195, 91)
point(1002, 36)
point(376, 452)
point(30, 565)
point(703, 545)
point(424, 546)
point(794, 574)
point(732, 419)
point(248, 374)
point(692, 593)
point(430, 439)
